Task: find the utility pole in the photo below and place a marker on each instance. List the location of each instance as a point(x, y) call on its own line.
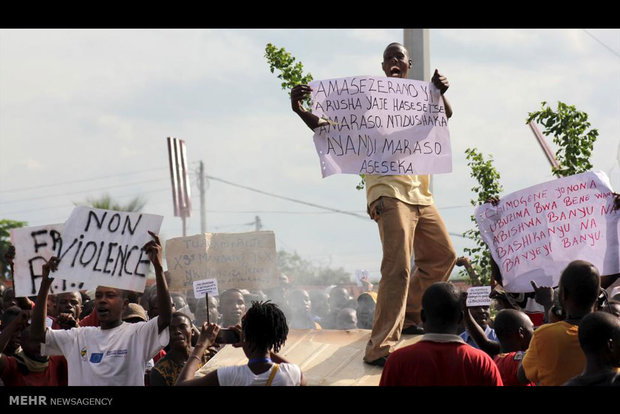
point(416, 41)
point(203, 207)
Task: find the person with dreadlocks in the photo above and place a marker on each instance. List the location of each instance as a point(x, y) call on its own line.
point(263, 332)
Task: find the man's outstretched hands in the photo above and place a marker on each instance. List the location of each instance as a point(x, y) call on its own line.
point(440, 82)
point(208, 334)
point(543, 295)
point(153, 250)
point(299, 93)
point(50, 266)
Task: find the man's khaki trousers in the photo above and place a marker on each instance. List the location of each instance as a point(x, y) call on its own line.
point(405, 228)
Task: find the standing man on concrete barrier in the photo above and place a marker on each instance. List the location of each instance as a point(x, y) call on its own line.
point(408, 221)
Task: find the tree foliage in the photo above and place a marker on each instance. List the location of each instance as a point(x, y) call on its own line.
point(5, 242)
point(303, 272)
point(291, 72)
point(106, 202)
point(571, 133)
point(487, 177)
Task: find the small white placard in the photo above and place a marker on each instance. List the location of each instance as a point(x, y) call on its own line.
point(360, 276)
point(479, 296)
point(202, 287)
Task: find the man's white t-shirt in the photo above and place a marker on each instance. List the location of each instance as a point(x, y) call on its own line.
point(114, 357)
point(241, 375)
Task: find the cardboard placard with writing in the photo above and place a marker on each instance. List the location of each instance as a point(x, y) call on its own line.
point(236, 260)
point(381, 126)
point(104, 247)
point(204, 287)
point(478, 296)
point(533, 234)
point(33, 248)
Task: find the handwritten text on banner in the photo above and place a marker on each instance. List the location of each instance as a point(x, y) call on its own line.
point(381, 126)
point(534, 233)
point(104, 247)
point(236, 260)
point(33, 248)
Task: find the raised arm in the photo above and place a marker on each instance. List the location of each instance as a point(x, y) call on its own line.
point(441, 82)
point(464, 261)
point(153, 250)
point(208, 334)
point(543, 295)
point(37, 328)
point(298, 94)
point(475, 331)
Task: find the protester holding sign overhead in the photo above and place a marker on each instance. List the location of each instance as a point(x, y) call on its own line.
point(114, 353)
point(403, 207)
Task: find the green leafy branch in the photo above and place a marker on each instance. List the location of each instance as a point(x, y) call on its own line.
point(487, 177)
point(570, 129)
point(291, 73)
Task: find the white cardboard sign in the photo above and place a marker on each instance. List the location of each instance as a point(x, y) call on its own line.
point(533, 234)
point(104, 247)
point(202, 287)
point(380, 126)
point(478, 296)
point(236, 260)
point(33, 248)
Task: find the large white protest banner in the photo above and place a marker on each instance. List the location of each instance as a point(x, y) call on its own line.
point(33, 248)
point(104, 247)
point(380, 125)
point(235, 260)
point(533, 234)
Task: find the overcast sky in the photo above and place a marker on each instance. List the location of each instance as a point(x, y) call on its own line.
point(87, 112)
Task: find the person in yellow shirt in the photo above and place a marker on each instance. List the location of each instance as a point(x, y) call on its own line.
point(409, 223)
point(555, 355)
point(599, 336)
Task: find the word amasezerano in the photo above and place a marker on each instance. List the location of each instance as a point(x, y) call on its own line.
point(354, 86)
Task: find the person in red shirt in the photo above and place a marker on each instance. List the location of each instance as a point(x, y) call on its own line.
point(27, 367)
point(440, 357)
point(514, 330)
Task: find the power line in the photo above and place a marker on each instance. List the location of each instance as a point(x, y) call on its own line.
point(267, 212)
point(83, 191)
point(76, 181)
point(602, 44)
point(287, 198)
point(65, 205)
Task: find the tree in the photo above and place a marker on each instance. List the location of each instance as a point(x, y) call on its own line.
point(571, 132)
point(292, 74)
point(5, 242)
point(303, 272)
point(488, 187)
point(106, 202)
